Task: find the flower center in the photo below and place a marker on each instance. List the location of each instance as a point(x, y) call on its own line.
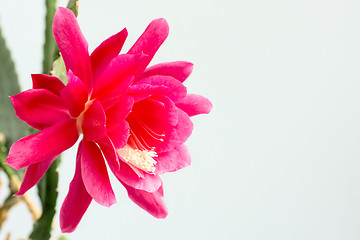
point(142, 159)
point(141, 133)
point(80, 118)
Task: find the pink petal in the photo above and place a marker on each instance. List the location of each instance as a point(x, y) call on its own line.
point(51, 83)
point(152, 38)
point(117, 76)
point(39, 108)
point(175, 135)
point(149, 121)
point(106, 51)
point(150, 202)
point(194, 104)
point(109, 151)
point(33, 175)
point(117, 113)
point(44, 145)
point(158, 85)
point(72, 44)
point(119, 135)
point(173, 160)
point(74, 95)
point(95, 175)
point(179, 70)
point(94, 123)
point(184, 127)
point(170, 108)
point(149, 183)
point(76, 202)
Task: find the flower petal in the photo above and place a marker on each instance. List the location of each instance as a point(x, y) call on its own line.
point(149, 182)
point(74, 95)
point(46, 144)
point(150, 202)
point(33, 174)
point(170, 108)
point(194, 104)
point(173, 160)
point(51, 83)
point(106, 51)
point(94, 123)
point(72, 44)
point(117, 113)
point(184, 127)
point(158, 85)
point(95, 175)
point(179, 70)
point(109, 151)
point(120, 134)
point(117, 76)
point(76, 202)
point(152, 38)
point(175, 135)
point(39, 108)
point(150, 125)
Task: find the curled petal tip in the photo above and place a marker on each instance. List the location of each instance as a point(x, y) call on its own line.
point(18, 194)
point(62, 9)
point(161, 24)
point(160, 20)
point(162, 216)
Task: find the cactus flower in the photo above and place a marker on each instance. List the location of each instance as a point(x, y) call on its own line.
point(159, 123)
point(132, 118)
point(93, 104)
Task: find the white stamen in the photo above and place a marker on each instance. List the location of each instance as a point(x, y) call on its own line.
point(150, 131)
point(142, 159)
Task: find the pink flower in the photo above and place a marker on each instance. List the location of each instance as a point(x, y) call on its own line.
point(134, 118)
point(159, 123)
point(92, 104)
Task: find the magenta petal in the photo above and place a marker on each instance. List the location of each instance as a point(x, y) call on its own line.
point(152, 38)
point(184, 127)
point(173, 160)
point(51, 83)
point(74, 95)
point(149, 182)
point(43, 145)
point(76, 202)
point(117, 76)
point(170, 108)
point(95, 175)
point(111, 101)
point(176, 135)
point(149, 121)
point(150, 202)
point(158, 85)
point(33, 175)
point(194, 104)
point(72, 44)
point(119, 135)
point(106, 51)
point(117, 113)
point(39, 108)
point(179, 70)
point(94, 123)
point(109, 151)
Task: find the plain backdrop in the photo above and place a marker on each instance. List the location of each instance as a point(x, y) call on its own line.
point(277, 158)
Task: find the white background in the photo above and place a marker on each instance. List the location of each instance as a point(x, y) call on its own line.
point(277, 158)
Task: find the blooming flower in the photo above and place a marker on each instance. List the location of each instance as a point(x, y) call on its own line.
point(93, 104)
point(159, 123)
point(134, 118)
